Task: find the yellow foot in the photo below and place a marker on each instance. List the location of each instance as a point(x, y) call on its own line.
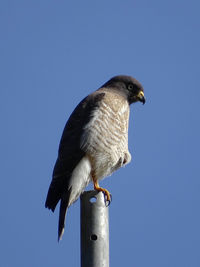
point(105, 191)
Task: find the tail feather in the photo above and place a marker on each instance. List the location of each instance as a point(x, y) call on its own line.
point(67, 189)
point(63, 210)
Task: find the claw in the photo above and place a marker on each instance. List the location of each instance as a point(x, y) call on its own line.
point(107, 201)
point(107, 195)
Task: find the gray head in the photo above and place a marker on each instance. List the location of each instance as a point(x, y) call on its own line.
point(128, 86)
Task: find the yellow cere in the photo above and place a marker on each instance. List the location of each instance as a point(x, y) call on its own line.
point(141, 94)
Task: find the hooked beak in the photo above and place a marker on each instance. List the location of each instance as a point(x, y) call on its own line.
point(141, 97)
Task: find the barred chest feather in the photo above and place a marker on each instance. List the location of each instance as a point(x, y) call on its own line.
point(105, 137)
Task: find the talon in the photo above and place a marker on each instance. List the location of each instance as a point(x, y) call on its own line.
point(108, 196)
point(107, 202)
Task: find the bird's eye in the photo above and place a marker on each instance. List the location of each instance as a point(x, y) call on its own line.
point(130, 86)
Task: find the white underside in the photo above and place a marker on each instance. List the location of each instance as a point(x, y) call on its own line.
point(80, 179)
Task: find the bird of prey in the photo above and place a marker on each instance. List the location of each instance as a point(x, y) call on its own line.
point(94, 143)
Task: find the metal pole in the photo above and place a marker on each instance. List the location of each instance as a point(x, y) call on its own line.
point(94, 230)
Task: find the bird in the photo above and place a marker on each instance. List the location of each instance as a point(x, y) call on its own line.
point(94, 143)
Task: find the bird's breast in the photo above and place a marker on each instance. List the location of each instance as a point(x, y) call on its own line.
point(105, 137)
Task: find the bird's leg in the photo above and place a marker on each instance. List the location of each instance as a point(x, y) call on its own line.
point(105, 191)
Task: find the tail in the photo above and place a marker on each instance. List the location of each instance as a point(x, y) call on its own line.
point(64, 204)
point(78, 181)
point(67, 189)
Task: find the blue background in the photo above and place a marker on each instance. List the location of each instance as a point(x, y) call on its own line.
point(54, 53)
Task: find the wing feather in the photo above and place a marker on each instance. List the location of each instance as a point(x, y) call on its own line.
point(70, 152)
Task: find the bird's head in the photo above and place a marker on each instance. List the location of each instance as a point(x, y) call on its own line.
point(128, 86)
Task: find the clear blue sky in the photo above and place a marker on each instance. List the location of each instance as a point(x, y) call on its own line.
point(54, 53)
